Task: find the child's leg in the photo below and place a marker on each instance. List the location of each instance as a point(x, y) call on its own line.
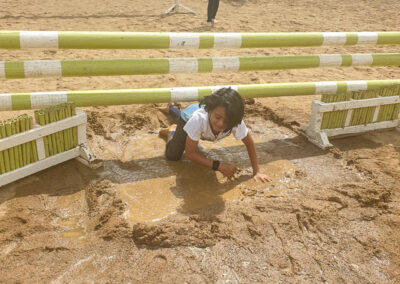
point(164, 132)
point(171, 132)
point(176, 144)
point(174, 111)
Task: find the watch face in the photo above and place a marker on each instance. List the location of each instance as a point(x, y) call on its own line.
point(215, 165)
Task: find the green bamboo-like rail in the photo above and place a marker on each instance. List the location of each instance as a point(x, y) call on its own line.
point(116, 67)
point(136, 40)
point(20, 155)
point(22, 101)
point(25, 154)
point(364, 115)
point(61, 141)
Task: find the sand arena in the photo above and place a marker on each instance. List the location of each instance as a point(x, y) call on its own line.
point(327, 216)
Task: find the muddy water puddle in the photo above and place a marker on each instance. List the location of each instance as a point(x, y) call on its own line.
point(71, 218)
point(74, 233)
point(155, 188)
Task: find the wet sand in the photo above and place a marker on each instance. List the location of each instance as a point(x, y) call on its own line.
point(327, 216)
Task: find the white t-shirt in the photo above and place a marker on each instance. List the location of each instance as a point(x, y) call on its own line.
point(198, 127)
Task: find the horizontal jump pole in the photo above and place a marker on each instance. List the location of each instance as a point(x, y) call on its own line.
point(135, 40)
point(24, 101)
point(116, 67)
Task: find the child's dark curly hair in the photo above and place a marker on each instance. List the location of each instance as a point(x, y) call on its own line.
point(231, 101)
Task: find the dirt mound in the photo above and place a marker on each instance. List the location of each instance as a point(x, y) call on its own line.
point(125, 120)
point(367, 196)
point(105, 212)
point(175, 232)
point(258, 110)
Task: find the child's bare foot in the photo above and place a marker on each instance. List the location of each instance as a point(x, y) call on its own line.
point(164, 131)
point(172, 127)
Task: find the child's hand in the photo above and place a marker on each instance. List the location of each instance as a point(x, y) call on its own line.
point(227, 170)
point(261, 177)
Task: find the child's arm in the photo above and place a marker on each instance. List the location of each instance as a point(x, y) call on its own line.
point(191, 152)
point(251, 150)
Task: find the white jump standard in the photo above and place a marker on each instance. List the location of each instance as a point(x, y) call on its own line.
point(319, 136)
point(81, 152)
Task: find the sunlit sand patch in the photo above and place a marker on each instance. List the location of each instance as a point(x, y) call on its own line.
point(110, 151)
point(8, 248)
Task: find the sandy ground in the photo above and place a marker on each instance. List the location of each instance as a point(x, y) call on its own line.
point(327, 216)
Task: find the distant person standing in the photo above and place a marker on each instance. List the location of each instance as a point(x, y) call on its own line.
point(212, 11)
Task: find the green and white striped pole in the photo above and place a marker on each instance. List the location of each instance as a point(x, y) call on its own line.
point(135, 40)
point(23, 101)
point(117, 67)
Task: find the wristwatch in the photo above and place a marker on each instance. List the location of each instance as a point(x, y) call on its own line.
point(215, 165)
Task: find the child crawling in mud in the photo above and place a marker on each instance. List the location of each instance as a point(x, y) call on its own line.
point(214, 118)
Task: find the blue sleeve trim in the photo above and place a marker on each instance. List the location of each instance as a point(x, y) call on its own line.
point(188, 111)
